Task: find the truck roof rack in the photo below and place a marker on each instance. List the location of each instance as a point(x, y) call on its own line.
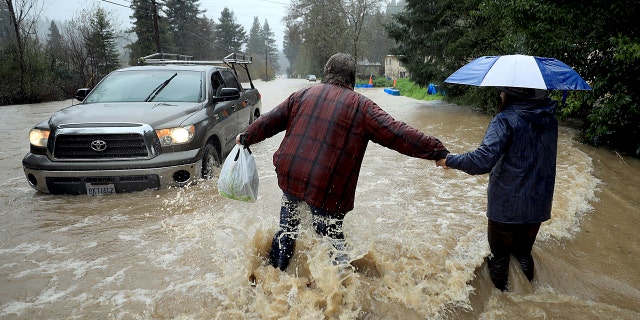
point(173, 58)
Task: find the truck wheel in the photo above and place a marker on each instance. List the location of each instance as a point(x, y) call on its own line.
point(256, 115)
point(210, 162)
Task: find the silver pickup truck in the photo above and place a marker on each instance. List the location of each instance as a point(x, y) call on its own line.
point(165, 123)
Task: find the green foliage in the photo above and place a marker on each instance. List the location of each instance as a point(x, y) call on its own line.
point(229, 35)
point(599, 39)
point(85, 50)
point(315, 30)
point(261, 45)
point(145, 30)
point(192, 33)
point(100, 42)
point(410, 89)
point(382, 82)
point(378, 82)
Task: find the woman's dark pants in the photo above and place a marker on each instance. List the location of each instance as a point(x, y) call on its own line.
point(506, 240)
point(324, 223)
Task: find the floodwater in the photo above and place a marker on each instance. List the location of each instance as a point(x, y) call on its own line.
point(417, 237)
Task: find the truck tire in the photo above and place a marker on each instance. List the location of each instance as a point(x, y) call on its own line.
point(256, 115)
point(210, 162)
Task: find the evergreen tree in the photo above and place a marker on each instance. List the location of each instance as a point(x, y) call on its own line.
point(144, 12)
point(229, 35)
point(55, 42)
point(204, 39)
point(255, 42)
point(271, 50)
point(599, 39)
point(59, 72)
point(425, 31)
point(292, 46)
point(185, 25)
point(101, 45)
point(324, 31)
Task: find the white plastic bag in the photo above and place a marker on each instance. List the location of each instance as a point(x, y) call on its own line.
point(239, 175)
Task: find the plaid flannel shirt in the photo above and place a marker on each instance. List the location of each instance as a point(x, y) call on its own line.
point(327, 129)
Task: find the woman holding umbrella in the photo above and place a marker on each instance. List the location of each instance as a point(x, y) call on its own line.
point(518, 150)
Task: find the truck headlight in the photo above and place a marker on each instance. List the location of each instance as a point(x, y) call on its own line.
point(173, 136)
point(39, 137)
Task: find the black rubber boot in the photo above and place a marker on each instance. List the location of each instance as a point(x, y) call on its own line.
point(526, 264)
point(282, 248)
point(499, 271)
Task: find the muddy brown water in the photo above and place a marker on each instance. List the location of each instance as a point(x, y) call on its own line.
point(417, 234)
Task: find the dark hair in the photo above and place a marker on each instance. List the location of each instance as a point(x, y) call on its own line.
point(340, 69)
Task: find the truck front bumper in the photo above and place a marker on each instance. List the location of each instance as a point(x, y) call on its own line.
point(164, 171)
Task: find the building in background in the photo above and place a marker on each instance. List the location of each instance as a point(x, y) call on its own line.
point(393, 68)
point(366, 69)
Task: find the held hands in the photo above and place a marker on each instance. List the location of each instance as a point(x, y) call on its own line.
point(442, 163)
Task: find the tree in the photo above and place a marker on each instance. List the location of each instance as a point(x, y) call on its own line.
point(23, 19)
point(270, 51)
point(206, 39)
point(91, 46)
point(255, 40)
point(357, 13)
point(261, 46)
point(376, 44)
point(229, 35)
point(423, 33)
point(190, 31)
point(101, 45)
point(58, 62)
point(292, 46)
point(150, 29)
point(323, 30)
point(599, 39)
point(54, 40)
point(317, 29)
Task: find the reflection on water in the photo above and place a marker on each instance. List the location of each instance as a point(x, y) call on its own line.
point(417, 237)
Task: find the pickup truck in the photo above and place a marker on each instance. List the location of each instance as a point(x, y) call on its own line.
point(161, 124)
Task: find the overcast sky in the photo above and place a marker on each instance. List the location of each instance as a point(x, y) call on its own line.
point(244, 10)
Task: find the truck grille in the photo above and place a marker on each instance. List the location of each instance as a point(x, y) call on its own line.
point(121, 146)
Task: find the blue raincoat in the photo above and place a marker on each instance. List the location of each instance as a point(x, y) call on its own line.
point(519, 151)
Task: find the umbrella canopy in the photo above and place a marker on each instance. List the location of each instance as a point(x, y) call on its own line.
point(520, 71)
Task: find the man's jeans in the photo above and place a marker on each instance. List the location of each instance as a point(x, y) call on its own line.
point(324, 223)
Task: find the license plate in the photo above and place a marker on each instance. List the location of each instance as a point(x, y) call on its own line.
point(99, 189)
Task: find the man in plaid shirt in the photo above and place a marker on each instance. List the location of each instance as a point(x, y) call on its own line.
point(327, 129)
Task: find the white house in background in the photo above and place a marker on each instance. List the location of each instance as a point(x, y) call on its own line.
point(393, 68)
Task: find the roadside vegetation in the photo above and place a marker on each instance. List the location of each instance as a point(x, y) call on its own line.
point(599, 39)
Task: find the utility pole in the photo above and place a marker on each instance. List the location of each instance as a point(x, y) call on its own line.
point(156, 33)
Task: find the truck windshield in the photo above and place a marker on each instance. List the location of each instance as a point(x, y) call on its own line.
point(135, 86)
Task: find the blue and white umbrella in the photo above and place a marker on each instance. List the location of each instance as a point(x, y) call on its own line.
point(519, 71)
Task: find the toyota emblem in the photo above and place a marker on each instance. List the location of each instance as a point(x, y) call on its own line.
point(98, 145)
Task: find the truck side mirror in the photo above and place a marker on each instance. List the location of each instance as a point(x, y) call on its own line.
point(227, 94)
point(82, 93)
